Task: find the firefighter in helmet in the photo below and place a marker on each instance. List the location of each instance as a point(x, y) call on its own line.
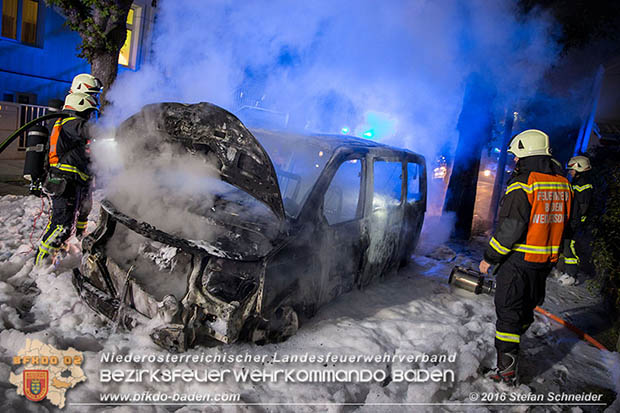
point(69, 177)
point(526, 243)
point(579, 170)
point(86, 83)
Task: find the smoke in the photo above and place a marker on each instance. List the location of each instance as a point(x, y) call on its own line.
point(393, 71)
point(435, 232)
point(394, 68)
point(158, 181)
point(153, 175)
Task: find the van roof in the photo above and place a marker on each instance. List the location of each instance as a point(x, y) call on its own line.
point(331, 141)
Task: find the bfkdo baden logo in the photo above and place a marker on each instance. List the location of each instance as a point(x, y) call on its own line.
point(36, 384)
point(48, 373)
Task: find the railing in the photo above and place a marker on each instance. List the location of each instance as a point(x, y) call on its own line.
point(26, 114)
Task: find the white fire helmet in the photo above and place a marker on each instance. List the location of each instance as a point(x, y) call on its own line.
point(530, 143)
point(80, 102)
point(579, 163)
point(86, 83)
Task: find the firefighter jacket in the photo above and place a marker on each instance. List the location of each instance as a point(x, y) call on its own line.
point(582, 190)
point(69, 152)
point(533, 215)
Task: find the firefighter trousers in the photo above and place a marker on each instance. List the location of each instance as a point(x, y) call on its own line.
point(72, 206)
point(571, 259)
point(519, 289)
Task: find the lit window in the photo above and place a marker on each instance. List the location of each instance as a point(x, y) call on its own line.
point(9, 18)
point(129, 51)
point(20, 19)
point(124, 56)
point(30, 10)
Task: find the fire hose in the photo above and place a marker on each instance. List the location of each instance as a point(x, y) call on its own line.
point(28, 125)
point(475, 282)
point(572, 328)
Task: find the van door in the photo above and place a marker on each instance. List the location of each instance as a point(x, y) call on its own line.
point(414, 208)
point(323, 258)
point(344, 238)
point(385, 218)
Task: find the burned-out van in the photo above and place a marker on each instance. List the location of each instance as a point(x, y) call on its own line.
point(293, 222)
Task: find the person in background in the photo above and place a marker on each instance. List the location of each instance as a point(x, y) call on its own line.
point(579, 170)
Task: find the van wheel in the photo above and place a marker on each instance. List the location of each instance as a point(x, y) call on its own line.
point(282, 324)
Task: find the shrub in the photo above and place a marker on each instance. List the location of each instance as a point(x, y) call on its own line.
point(603, 223)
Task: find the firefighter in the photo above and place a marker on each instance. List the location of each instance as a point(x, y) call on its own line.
point(579, 170)
point(526, 244)
point(69, 176)
point(86, 83)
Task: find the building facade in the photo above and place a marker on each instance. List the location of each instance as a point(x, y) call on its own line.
point(39, 59)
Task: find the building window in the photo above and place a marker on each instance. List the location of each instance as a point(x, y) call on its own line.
point(9, 19)
point(30, 11)
point(129, 52)
point(20, 20)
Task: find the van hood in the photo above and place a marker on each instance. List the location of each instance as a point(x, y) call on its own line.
point(209, 129)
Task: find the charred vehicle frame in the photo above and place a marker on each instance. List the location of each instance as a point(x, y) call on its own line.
point(357, 219)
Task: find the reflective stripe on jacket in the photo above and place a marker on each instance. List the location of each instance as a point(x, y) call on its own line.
point(71, 169)
point(533, 215)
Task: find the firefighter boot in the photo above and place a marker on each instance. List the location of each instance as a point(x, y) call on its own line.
point(79, 234)
point(507, 370)
point(80, 229)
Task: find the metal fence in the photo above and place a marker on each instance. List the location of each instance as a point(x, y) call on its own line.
point(26, 114)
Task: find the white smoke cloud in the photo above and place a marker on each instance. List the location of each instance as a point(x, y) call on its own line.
point(159, 182)
point(328, 64)
point(407, 59)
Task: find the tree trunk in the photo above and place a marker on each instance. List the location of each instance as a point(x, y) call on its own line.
point(475, 128)
point(104, 66)
point(104, 56)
